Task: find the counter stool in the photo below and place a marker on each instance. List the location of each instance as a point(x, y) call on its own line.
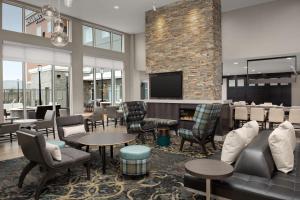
point(135, 160)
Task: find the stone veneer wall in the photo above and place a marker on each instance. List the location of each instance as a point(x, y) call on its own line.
point(186, 36)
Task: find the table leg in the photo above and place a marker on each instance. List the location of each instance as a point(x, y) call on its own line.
point(208, 189)
point(112, 151)
point(103, 159)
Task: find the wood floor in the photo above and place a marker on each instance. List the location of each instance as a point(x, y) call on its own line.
point(12, 150)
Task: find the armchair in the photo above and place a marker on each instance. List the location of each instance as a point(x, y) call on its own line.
point(8, 130)
point(33, 146)
point(96, 119)
point(47, 124)
point(112, 113)
point(134, 114)
point(70, 121)
point(206, 119)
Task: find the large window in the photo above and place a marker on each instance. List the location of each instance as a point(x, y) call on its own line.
point(32, 85)
point(101, 85)
point(12, 18)
point(87, 36)
point(30, 21)
point(102, 39)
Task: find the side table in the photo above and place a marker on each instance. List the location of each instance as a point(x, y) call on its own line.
point(209, 170)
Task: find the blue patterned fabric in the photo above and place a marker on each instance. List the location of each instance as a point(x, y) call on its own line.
point(205, 118)
point(60, 144)
point(135, 167)
point(135, 152)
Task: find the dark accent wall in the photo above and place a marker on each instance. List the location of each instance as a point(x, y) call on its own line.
point(279, 94)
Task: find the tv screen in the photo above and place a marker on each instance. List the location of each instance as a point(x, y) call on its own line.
point(166, 85)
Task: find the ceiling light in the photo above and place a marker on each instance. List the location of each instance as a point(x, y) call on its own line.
point(245, 67)
point(49, 12)
point(259, 72)
point(116, 7)
point(59, 39)
point(68, 3)
point(235, 63)
point(253, 70)
point(289, 58)
point(292, 67)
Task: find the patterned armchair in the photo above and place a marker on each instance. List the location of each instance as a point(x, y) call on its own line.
point(134, 114)
point(206, 119)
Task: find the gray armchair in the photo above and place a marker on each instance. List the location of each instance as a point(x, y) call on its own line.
point(96, 119)
point(47, 124)
point(71, 121)
point(112, 113)
point(33, 146)
point(8, 130)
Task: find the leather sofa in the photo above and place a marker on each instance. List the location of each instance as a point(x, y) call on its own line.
point(255, 175)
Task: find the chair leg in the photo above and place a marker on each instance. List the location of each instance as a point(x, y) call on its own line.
point(191, 144)
point(103, 124)
point(213, 144)
point(204, 149)
point(88, 170)
point(181, 144)
point(47, 132)
point(53, 133)
point(87, 148)
point(25, 171)
point(42, 183)
point(10, 136)
point(107, 121)
point(92, 125)
point(116, 122)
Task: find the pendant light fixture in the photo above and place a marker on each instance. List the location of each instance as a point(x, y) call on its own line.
point(49, 12)
point(59, 38)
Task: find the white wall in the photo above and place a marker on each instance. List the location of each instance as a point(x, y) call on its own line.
point(140, 52)
point(260, 31)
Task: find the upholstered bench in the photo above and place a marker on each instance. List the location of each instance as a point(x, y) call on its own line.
point(135, 160)
point(164, 123)
point(59, 143)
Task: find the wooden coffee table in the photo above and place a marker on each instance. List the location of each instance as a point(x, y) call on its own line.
point(209, 170)
point(106, 139)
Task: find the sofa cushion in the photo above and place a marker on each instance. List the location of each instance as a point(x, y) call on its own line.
point(54, 150)
point(233, 145)
point(252, 130)
point(73, 130)
point(282, 150)
point(291, 132)
point(256, 159)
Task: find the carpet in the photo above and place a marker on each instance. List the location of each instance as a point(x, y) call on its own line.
point(164, 182)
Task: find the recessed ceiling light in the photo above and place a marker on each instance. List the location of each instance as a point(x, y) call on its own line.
point(259, 72)
point(289, 58)
point(245, 67)
point(235, 63)
point(253, 70)
point(292, 67)
point(116, 7)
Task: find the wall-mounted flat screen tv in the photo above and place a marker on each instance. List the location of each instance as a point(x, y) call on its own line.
point(166, 85)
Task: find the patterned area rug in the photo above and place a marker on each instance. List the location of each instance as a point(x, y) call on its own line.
point(163, 183)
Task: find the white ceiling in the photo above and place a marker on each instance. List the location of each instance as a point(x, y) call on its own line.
point(130, 17)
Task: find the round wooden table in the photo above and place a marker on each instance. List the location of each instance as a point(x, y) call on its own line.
point(209, 170)
point(106, 139)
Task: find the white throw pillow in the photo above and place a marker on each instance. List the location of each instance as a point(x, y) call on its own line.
point(233, 145)
point(54, 150)
point(291, 133)
point(281, 150)
point(252, 129)
point(72, 130)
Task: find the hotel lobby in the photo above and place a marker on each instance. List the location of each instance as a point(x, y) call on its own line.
point(150, 99)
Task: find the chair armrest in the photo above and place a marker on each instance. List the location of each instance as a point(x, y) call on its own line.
point(43, 124)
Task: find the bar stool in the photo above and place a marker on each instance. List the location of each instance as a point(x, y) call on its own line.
point(259, 115)
point(240, 116)
point(276, 116)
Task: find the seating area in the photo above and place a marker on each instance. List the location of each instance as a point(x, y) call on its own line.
point(150, 99)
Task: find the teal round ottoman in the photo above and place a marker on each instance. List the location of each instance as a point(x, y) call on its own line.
point(59, 143)
point(135, 160)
